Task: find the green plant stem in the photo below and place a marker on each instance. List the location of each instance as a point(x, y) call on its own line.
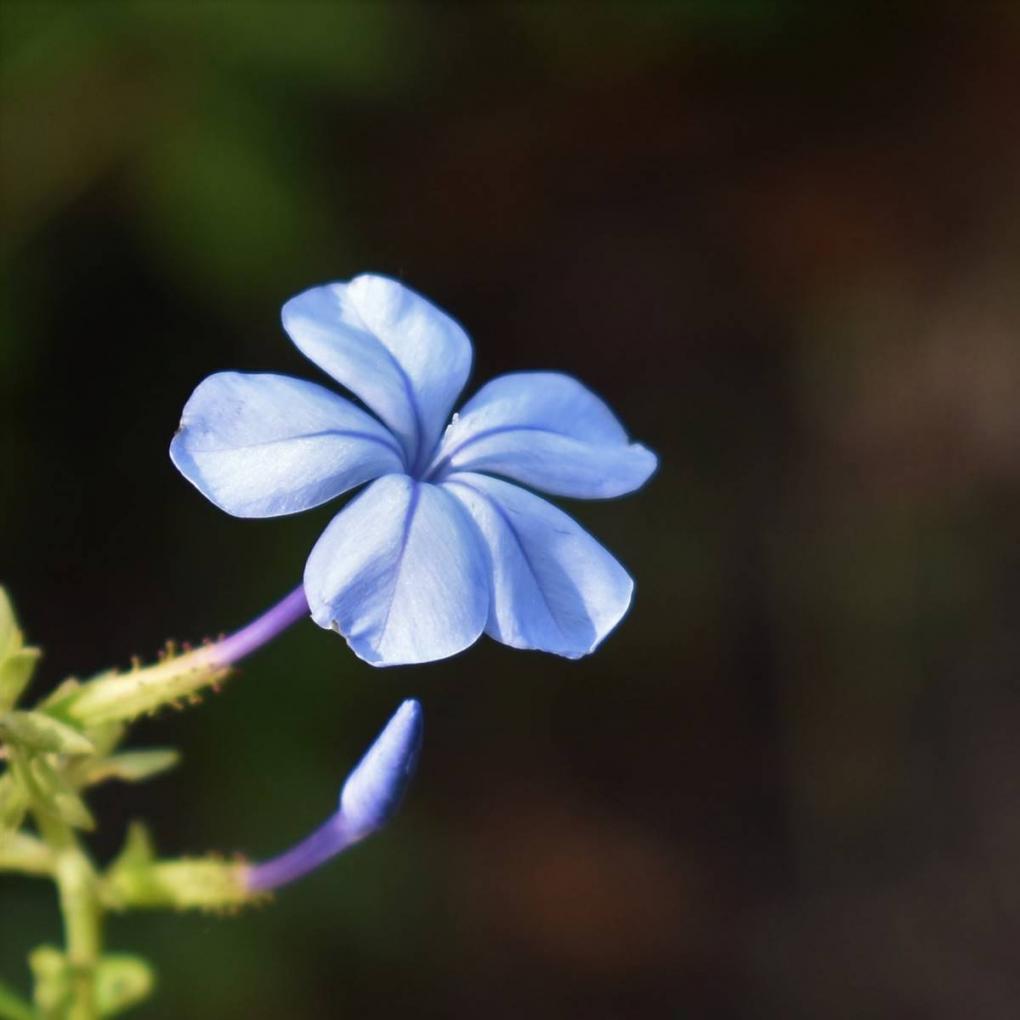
point(82, 913)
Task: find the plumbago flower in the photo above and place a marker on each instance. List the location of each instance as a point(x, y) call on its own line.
point(441, 545)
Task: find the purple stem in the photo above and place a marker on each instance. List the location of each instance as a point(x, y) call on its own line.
point(327, 841)
point(261, 630)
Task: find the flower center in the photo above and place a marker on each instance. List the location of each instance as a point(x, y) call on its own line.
point(436, 467)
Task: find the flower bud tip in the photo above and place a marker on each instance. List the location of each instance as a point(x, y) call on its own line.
point(375, 787)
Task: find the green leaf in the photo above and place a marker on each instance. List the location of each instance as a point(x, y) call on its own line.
point(122, 981)
point(16, 670)
point(129, 767)
point(10, 636)
point(13, 803)
point(138, 849)
point(62, 693)
point(16, 661)
point(41, 733)
point(52, 981)
point(21, 852)
point(13, 1006)
point(105, 736)
point(52, 794)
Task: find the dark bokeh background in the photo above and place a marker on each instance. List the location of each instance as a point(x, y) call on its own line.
point(784, 242)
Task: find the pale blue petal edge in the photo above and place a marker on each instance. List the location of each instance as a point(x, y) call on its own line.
point(401, 573)
point(262, 445)
point(404, 357)
point(548, 431)
point(554, 587)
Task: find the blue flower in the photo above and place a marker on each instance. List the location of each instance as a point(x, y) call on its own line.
point(368, 800)
point(435, 550)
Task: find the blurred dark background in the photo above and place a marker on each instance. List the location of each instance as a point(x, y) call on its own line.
point(783, 241)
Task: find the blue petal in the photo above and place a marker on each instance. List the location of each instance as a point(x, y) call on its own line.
point(401, 573)
point(554, 588)
point(265, 445)
point(407, 360)
point(548, 431)
point(373, 791)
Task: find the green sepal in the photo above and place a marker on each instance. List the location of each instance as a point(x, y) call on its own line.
point(21, 852)
point(52, 993)
point(138, 879)
point(40, 733)
point(129, 767)
point(112, 696)
point(191, 883)
point(122, 981)
point(13, 1006)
